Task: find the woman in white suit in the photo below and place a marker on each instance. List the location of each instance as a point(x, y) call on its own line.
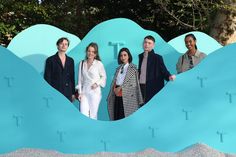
point(91, 77)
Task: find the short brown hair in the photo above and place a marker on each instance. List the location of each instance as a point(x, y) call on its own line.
point(62, 39)
point(150, 38)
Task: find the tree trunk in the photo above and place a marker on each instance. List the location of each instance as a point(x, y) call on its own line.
point(223, 27)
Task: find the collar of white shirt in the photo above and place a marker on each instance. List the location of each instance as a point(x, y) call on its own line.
point(125, 66)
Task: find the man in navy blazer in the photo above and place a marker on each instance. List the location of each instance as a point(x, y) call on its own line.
point(59, 70)
point(152, 70)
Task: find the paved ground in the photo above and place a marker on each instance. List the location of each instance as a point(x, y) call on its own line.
point(197, 150)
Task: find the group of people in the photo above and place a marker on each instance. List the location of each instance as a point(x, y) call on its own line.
point(131, 87)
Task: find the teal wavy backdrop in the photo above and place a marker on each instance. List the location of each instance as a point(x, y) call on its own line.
point(199, 106)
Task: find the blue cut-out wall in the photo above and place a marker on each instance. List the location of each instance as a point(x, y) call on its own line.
point(37, 42)
point(199, 106)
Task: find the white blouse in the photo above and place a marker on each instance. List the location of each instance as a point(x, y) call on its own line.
point(121, 75)
point(87, 77)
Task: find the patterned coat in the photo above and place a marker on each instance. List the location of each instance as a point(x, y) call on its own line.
point(131, 93)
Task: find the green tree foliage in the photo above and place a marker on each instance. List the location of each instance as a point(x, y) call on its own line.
point(18, 15)
point(169, 18)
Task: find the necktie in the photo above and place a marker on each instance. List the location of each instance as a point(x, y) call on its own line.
point(122, 69)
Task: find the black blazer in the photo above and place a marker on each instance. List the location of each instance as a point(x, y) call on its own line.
point(156, 74)
point(60, 78)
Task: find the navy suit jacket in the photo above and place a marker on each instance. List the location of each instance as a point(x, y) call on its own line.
point(155, 75)
point(60, 78)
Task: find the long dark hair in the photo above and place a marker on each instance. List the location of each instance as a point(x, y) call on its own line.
point(129, 55)
point(95, 46)
point(192, 36)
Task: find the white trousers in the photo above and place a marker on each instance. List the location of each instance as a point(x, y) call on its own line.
point(89, 103)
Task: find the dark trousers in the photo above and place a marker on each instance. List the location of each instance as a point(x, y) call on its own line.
point(143, 91)
point(119, 108)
